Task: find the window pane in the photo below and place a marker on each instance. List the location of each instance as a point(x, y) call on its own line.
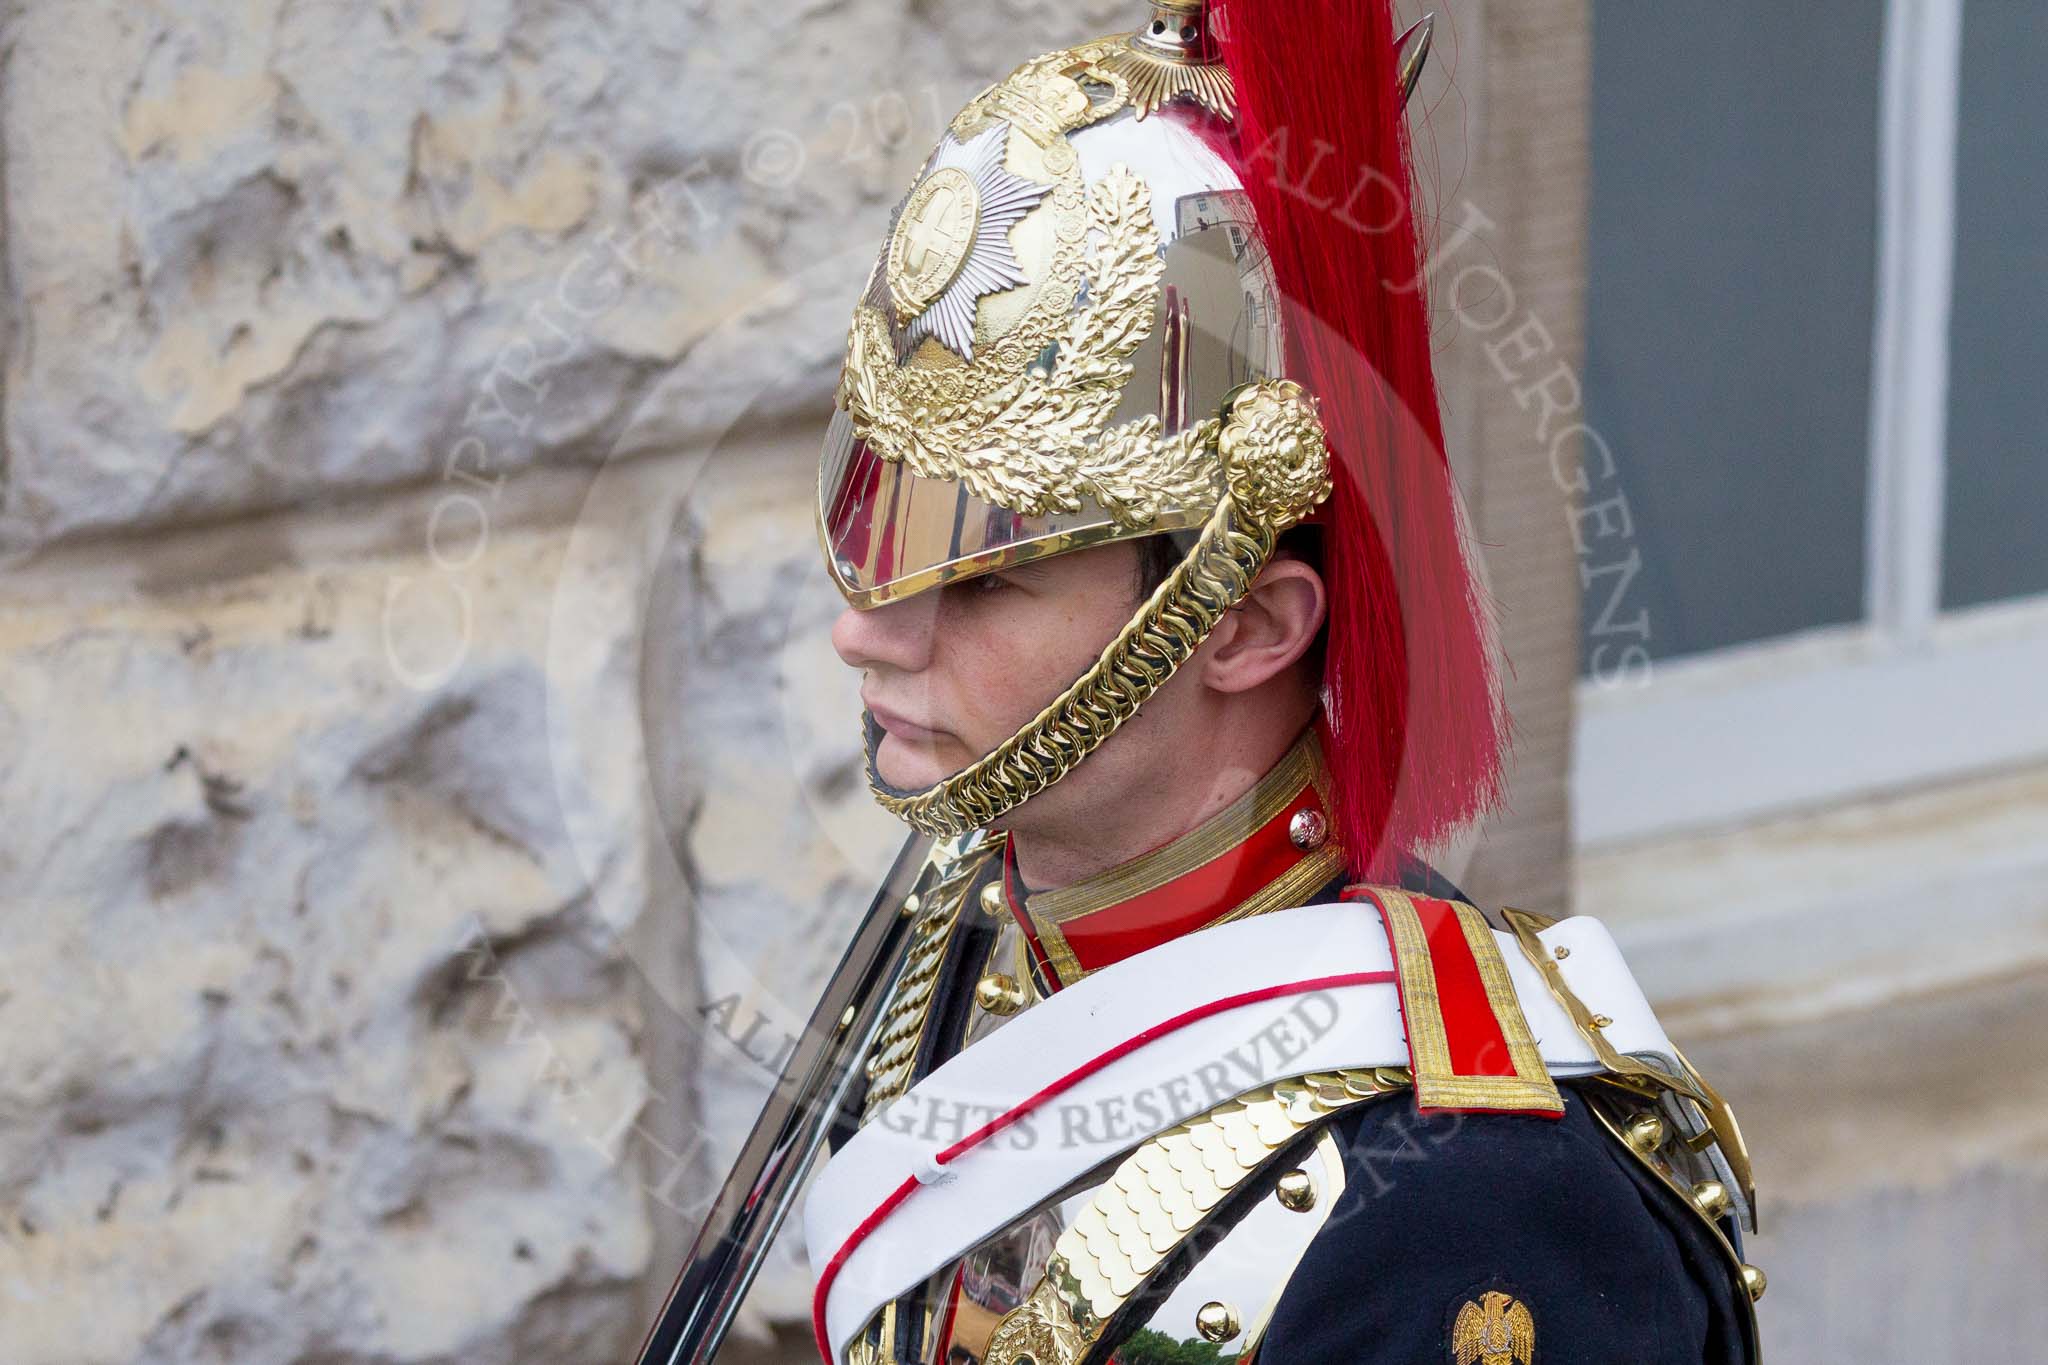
point(1996, 542)
point(1730, 295)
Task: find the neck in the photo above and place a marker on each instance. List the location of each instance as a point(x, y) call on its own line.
point(1058, 857)
point(1267, 849)
point(1178, 792)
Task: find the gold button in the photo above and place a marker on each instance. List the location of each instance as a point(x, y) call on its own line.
point(1711, 1198)
point(1560, 952)
point(1296, 1191)
point(1602, 1021)
point(1645, 1133)
point(999, 993)
point(1216, 1322)
point(1754, 1281)
point(993, 902)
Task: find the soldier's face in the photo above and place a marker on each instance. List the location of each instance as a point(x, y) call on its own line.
point(952, 673)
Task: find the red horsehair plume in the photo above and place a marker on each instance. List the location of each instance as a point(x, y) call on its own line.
point(1416, 725)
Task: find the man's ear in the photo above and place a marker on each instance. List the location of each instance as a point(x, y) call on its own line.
point(1268, 632)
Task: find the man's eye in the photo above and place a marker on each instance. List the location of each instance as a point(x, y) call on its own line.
point(988, 583)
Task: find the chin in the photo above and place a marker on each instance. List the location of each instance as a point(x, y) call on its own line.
point(909, 769)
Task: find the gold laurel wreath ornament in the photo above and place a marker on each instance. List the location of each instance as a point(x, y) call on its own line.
point(1038, 444)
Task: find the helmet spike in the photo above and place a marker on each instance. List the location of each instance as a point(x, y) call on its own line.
point(1178, 52)
point(1414, 49)
point(1172, 55)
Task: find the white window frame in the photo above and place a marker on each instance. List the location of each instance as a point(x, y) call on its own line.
point(1911, 694)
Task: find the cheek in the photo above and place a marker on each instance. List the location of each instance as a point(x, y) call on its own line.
point(1009, 669)
point(996, 672)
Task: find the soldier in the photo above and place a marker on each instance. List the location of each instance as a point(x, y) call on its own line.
point(1170, 643)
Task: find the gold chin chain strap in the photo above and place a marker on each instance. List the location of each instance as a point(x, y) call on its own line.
point(1277, 471)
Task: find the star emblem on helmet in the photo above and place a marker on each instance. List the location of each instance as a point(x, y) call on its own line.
point(951, 242)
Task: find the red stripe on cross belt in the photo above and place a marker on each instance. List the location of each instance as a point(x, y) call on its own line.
point(822, 1296)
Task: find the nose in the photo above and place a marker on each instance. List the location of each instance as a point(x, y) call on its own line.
point(896, 635)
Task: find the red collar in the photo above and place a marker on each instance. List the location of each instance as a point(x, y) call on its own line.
point(1271, 848)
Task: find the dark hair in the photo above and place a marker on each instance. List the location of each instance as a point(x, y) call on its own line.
point(1157, 556)
point(1160, 555)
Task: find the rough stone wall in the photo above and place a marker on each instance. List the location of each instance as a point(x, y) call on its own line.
point(313, 1048)
point(423, 811)
point(258, 253)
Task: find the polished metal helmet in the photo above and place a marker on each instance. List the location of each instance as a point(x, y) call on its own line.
point(1087, 324)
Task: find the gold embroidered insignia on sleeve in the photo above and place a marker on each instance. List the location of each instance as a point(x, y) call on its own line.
point(1494, 1329)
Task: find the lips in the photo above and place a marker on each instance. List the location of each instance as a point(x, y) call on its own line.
point(902, 727)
